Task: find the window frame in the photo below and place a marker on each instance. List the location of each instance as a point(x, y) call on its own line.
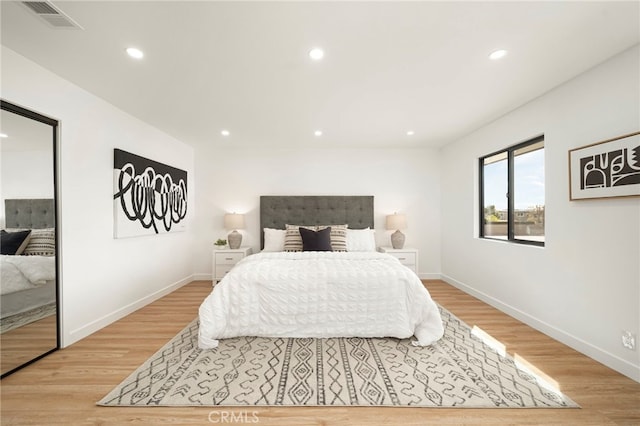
point(510, 151)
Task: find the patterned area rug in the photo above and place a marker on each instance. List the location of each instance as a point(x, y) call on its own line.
point(18, 320)
point(458, 371)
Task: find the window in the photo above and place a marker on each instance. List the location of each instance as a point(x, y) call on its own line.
point(512, 193)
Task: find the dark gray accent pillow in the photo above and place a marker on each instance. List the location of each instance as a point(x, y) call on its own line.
point(14, 242)
point(316, 240)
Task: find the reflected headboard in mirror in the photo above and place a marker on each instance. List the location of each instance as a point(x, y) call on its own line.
point(36, 213)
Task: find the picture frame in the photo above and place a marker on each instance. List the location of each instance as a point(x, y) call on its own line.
point(606, 169)
point(149, 198)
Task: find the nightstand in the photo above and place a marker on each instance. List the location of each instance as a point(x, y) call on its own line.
point(407, 256)
point(225, 259)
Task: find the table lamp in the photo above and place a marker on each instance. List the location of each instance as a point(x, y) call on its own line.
point(234, 221)
point(397, 221)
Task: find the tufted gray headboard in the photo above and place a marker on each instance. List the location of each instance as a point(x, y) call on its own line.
point(278, 210)
point(29, 213)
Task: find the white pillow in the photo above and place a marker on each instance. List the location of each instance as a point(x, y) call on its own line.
point(361, 240)
point(274, 239)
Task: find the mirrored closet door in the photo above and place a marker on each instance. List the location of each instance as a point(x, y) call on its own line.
point(29, 275)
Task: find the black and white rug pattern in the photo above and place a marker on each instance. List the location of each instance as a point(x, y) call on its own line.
point(458, 371)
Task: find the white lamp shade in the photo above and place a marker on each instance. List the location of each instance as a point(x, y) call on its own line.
point(396, 221)
point(234, 221)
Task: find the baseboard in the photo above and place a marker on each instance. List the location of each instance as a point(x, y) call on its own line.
point(612, 361)
point(93, 326)
point(429, 276)
point(202, 277)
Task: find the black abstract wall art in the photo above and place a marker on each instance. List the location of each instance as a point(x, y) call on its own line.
point(606, 169)
point(149, 197)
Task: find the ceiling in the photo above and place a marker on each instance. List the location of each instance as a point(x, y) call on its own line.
point(24, 134)
point(389, 67)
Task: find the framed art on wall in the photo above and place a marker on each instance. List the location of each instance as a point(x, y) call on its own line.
point(149, 197)
point(610, 168)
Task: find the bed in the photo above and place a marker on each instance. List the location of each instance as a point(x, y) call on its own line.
point(293, 290)
point(28, 274)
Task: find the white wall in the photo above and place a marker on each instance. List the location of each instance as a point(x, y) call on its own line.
point(102, 278)
point(25, 174)
point(583, 286)
point(407, 181)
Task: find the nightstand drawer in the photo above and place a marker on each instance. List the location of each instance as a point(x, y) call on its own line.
point(221, 270)
point(407, 258)
point(228, 258)
point(224, 260)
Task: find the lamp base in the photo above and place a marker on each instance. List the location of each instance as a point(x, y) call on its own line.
point(397, 240)
point(235, 239)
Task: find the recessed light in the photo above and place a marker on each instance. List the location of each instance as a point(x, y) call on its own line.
point(316, 54)
point(135, 53)
point(3, 135)
point(498, 54)
point(318, 133)
point(411, 133)
point(225, 133)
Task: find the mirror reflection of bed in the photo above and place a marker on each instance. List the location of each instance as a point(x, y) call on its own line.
point(28, 285)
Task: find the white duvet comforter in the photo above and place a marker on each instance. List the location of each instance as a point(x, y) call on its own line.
point(25, 272)
point(319, 294)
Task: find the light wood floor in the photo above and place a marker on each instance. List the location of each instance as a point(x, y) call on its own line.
point(27, 342)
point(63, 387)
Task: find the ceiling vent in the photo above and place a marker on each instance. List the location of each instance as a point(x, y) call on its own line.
point(52, 15)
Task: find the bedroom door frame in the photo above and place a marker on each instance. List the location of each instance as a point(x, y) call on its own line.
point(27, 113)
